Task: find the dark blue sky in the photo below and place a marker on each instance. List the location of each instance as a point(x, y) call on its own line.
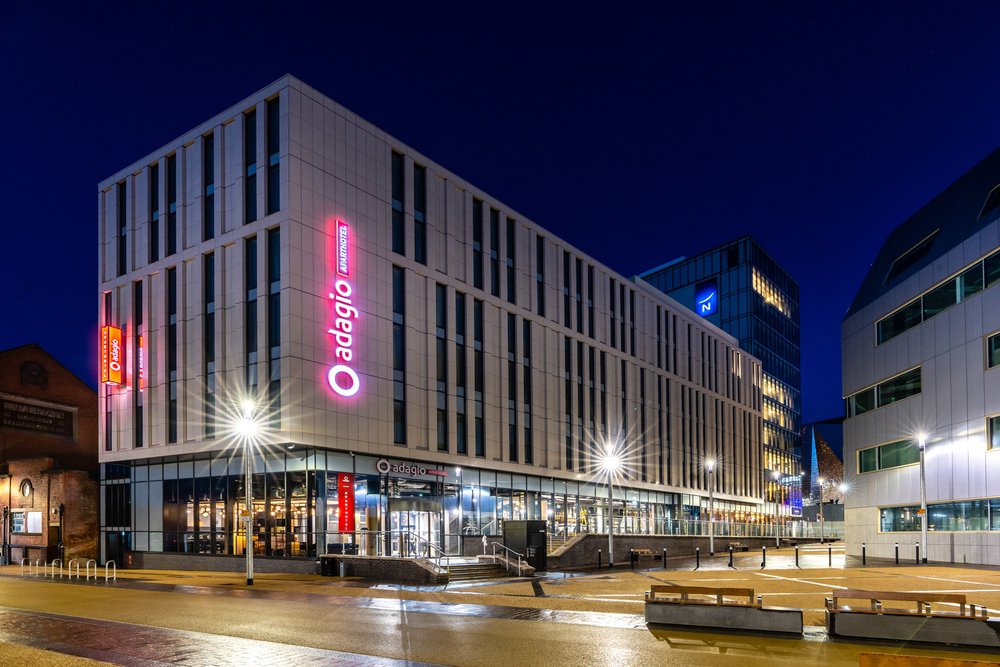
point(817, 127)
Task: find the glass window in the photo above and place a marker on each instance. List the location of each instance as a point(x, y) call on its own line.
point(911, 257)
point(861, 402)
point(992, 269)
point(993, 351)
point(868, 460)
point(995, 514)
point(970, 282)
point(940, 298)
point(905, 318)
point(898, 388)
point(993, 433)
point(958, 516)
point(896, 454)
point(899, 519)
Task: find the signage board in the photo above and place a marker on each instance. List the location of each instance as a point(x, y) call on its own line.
point(342, 376)
point(112, 355)
point(345, 500)
point(384, 466)
point(706, 298)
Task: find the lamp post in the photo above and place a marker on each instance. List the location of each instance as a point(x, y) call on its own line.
point(247, 428)
point(922, 444)
point(777, 508)
point(822, 493)
point(710, 464)
point(610, 463)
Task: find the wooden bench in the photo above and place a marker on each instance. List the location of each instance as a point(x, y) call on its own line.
point(919, 621)
point(713, 608)
point(739, 546)
point(644, 553)
point(922, 603)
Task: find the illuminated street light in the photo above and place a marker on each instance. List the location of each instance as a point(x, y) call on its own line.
point(822, 493)
point(247, 427)
point(611, 462)
point(710, 464)
point(777, 507)
point(922, 444)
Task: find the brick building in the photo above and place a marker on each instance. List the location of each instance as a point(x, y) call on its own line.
point(48, 458)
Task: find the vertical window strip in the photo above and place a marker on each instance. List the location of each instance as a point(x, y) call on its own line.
point(208, 183)
point(590, 301)
point(107, 388)
point(511, 258)
point(566, 297)
point(477, 244)
point(172, 355)
point(478, 371)
point(420, 214)
point(154, 213)
point(529, 453)
point(208, 336)
point(398, 356)
point(512, 388)
point(612, 314)
point(250, 166)
point(273, 156)
point(567, 381)
point(398, 244)
point(138, 364)
point(494, 252)
point(441, 331)
point(122, 229)
point(461, 377)
point(540, 275)
point(274, 325)
point(171, 205)
point(250, 314)
point(578, 289)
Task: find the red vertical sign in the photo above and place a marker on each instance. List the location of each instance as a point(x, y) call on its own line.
point(345, 496)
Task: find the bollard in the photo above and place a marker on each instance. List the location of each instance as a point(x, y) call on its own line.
point(664, 558)
point(631, 558)
point(599, 565)
point(731, 557)
point(763, 559)
point(863, 553)
point(897, 553)
point(796, 555)
point(829, 556)
point(697, 558)
point(917, 545)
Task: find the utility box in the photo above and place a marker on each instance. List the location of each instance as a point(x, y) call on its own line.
point(529, 538)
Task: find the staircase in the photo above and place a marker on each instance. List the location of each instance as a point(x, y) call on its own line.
point(476, 572)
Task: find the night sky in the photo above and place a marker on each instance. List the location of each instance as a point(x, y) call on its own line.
point(816, 127)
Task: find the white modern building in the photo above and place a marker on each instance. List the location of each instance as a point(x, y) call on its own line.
point(921, 351)
point(417, 356)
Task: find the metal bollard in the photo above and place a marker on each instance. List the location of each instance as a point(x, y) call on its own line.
point(731, 557)
point(863, 561)
point(599, 565)
point(763, 560)
point(796, 555)
point(917, 545)
point(664, 558)
point(697, 558)
point(829, 556)
point(897, 553)
point(631, 558)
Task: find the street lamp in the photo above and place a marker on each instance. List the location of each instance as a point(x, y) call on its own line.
point(777, 508)
point(610, 463)
point(710, 464)
point(922, 444)
point(822, 493)
point(247, 427)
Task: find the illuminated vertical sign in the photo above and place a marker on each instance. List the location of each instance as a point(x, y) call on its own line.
point(112, 355)
point(706, 298)
point(342, 376)
point(345, 499)
point(141, 362)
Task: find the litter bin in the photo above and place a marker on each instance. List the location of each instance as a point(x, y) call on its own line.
point(342, 569)
point(326, 565)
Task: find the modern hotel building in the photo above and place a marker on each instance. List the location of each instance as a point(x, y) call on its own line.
point(418, 356)
point(921, 350)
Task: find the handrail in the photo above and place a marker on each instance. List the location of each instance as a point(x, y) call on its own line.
point(70, 568)
point(507, 560)
point(87, 569)
point(114, 571)
point(430, 546)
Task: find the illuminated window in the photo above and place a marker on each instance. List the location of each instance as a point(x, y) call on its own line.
point(771, 294)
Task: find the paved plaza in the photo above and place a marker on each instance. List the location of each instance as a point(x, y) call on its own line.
point(590, 617)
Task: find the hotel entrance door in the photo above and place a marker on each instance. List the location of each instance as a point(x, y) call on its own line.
point(414, 525)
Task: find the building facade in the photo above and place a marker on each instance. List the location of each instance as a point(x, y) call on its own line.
point(48, 459)
point(921, 350)
point(414, 356)
point(740, 288)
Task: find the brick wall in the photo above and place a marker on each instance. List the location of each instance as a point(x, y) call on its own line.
point(208, 563)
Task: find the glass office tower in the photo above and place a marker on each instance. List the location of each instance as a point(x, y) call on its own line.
point(740, 288)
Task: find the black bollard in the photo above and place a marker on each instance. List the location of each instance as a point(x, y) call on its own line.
point(599, 564)
point(917, 545)
point(829, 556)
point(664, 558)
point(731, 557)
point(897, 553)
point(763, 557)
point(697, 558)
point(631, 557)
point(796, 555)
point(863, 561)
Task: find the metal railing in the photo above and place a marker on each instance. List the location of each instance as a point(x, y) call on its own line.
point(506, 560)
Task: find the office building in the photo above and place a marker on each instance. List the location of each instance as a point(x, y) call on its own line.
point(417, 356)
point(921, 381)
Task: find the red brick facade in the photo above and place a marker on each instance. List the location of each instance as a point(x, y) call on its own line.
point(48, 458)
